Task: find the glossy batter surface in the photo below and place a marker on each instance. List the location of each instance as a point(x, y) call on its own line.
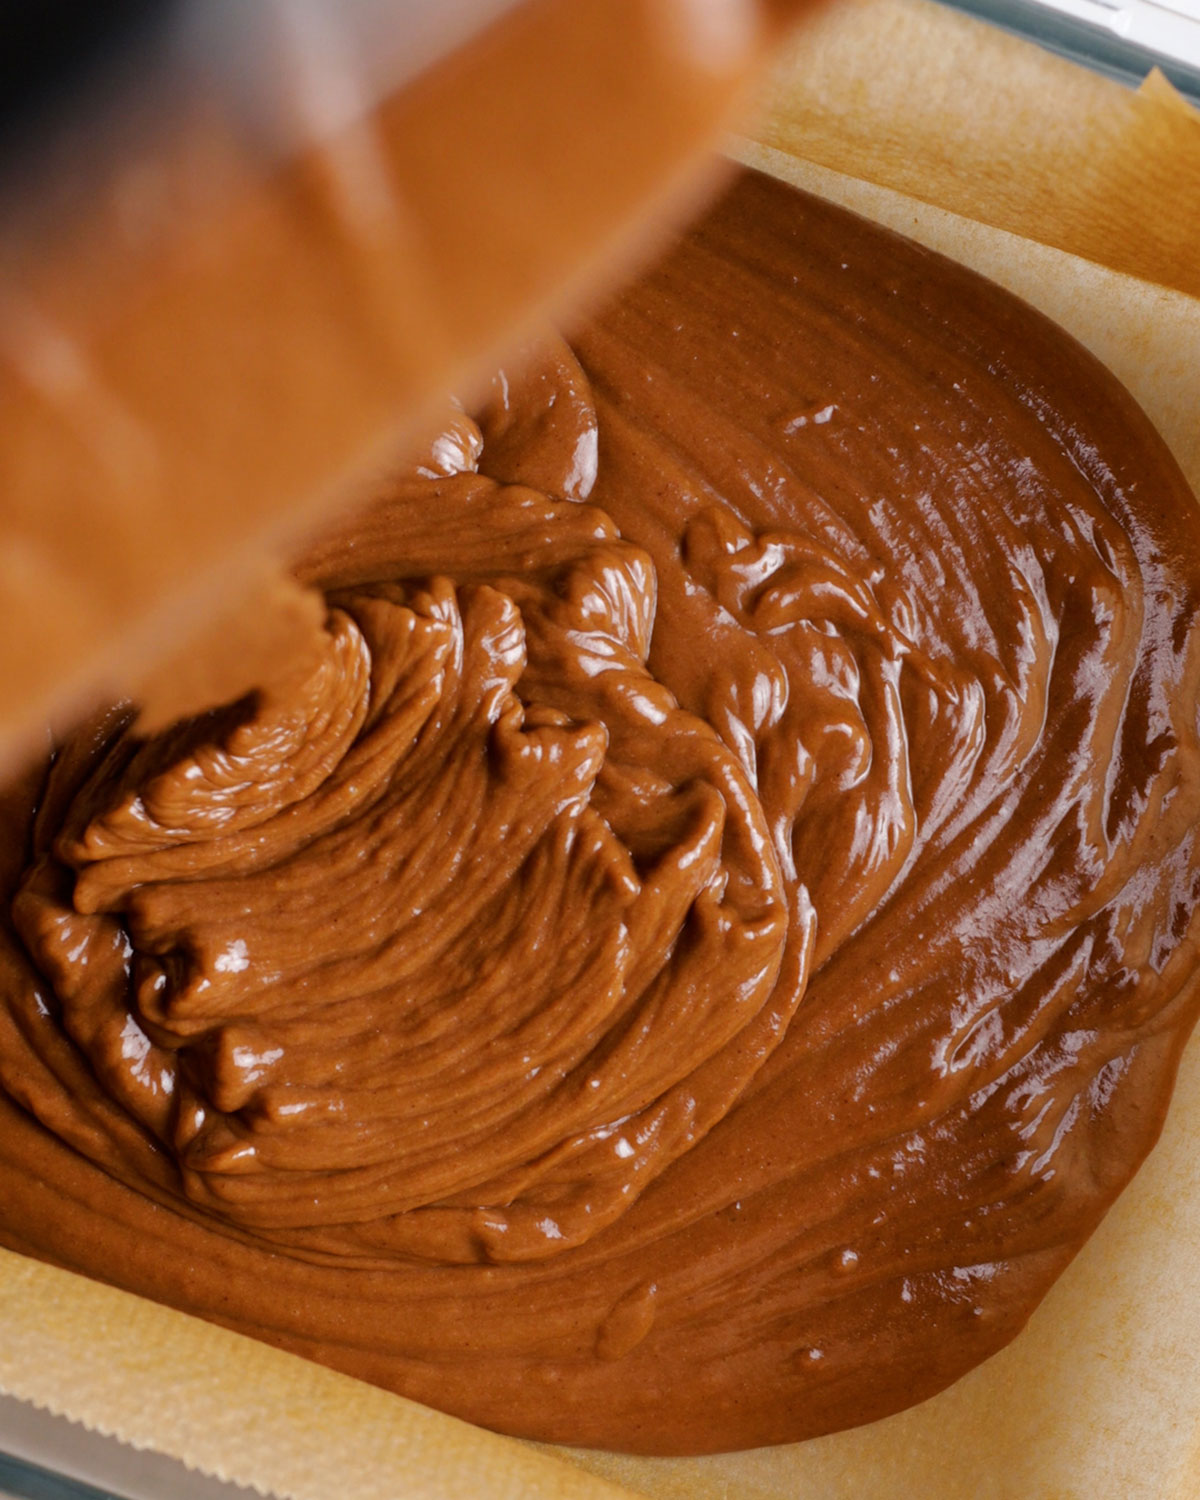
point(714, 931)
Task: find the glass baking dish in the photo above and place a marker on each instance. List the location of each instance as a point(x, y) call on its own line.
point(1122, 39)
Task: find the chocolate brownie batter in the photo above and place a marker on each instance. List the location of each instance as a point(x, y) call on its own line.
point(713, 931)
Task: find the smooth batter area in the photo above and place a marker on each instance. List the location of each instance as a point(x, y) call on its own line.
point(715, 930)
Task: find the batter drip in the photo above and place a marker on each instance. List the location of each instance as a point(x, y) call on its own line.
point(715, 930)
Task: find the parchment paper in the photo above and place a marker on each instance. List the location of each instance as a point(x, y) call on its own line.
point(1085, 199)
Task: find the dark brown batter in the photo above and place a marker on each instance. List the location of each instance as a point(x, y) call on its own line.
point(714, 932)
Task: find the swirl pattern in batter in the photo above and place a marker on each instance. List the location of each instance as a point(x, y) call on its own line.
point(715, 929)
